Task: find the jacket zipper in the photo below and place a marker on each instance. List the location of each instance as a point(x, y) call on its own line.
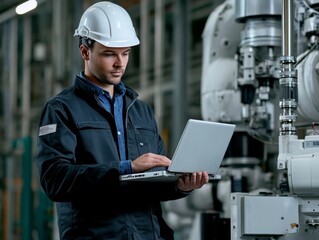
point(126, 114)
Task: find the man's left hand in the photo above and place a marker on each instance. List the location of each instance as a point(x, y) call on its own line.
point(191, 181)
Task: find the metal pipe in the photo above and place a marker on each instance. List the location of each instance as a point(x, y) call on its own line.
point(181, 31)
point(58, 34)
point(158, 63)
point(144, 46)
point(287, 27)
point(10, 108)
point(288, 75)
point(26, 77)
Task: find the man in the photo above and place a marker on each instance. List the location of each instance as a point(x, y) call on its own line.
point(96, 130)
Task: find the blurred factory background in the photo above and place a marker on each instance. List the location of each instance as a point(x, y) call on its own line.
point(39, 56)
point(249, 62)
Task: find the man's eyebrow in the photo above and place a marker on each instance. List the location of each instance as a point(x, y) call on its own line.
point(126, 51)
point(113, 51)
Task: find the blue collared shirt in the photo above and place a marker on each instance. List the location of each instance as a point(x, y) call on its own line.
point(115, 108)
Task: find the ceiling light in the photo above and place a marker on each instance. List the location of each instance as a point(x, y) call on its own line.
point(26, 7)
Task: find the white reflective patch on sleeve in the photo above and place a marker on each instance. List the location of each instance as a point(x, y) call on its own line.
point(47, 129)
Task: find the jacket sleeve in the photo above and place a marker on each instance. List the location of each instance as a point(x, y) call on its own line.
point(60, 177)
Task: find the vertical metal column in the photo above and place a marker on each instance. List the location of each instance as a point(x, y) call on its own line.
point(144, 46)
point(26, 77)
point(10, 101)
point(287, 27)
point(59, 53)
point(158, 63)
point(76, 64)
point(10, 108)
point(25, 144)
point(288, 75)
point(180, 68)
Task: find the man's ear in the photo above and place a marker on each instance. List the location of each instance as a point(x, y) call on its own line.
point(84, 52)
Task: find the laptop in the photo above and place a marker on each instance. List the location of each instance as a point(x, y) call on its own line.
point(201, 147)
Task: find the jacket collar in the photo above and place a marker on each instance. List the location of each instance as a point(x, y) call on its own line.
point(90, 92)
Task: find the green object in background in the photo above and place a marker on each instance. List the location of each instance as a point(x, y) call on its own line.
point(25, 144)
point(35, 220)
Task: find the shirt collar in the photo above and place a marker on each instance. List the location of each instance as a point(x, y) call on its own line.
point(120, 89)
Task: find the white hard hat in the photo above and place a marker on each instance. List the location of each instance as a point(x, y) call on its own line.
point(108, 24)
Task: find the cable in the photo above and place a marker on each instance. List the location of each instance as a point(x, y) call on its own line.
point(313, 47)
point(307, 5)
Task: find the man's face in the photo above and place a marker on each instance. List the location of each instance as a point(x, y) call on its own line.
point(104, 65)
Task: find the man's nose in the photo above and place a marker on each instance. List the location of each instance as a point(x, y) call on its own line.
point(119, 61)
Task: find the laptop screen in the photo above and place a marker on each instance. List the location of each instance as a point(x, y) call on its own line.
point(201, 147)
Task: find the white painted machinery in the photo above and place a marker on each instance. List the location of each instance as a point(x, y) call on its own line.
point(260, 71)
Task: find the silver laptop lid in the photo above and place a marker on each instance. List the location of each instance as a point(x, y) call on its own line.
point(201, 147)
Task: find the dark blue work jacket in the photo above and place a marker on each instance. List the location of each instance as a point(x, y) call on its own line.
point(78, 163)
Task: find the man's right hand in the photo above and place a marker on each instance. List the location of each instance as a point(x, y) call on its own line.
point(148, 161)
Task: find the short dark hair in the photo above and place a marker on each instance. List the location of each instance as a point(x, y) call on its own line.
point(88, 42)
